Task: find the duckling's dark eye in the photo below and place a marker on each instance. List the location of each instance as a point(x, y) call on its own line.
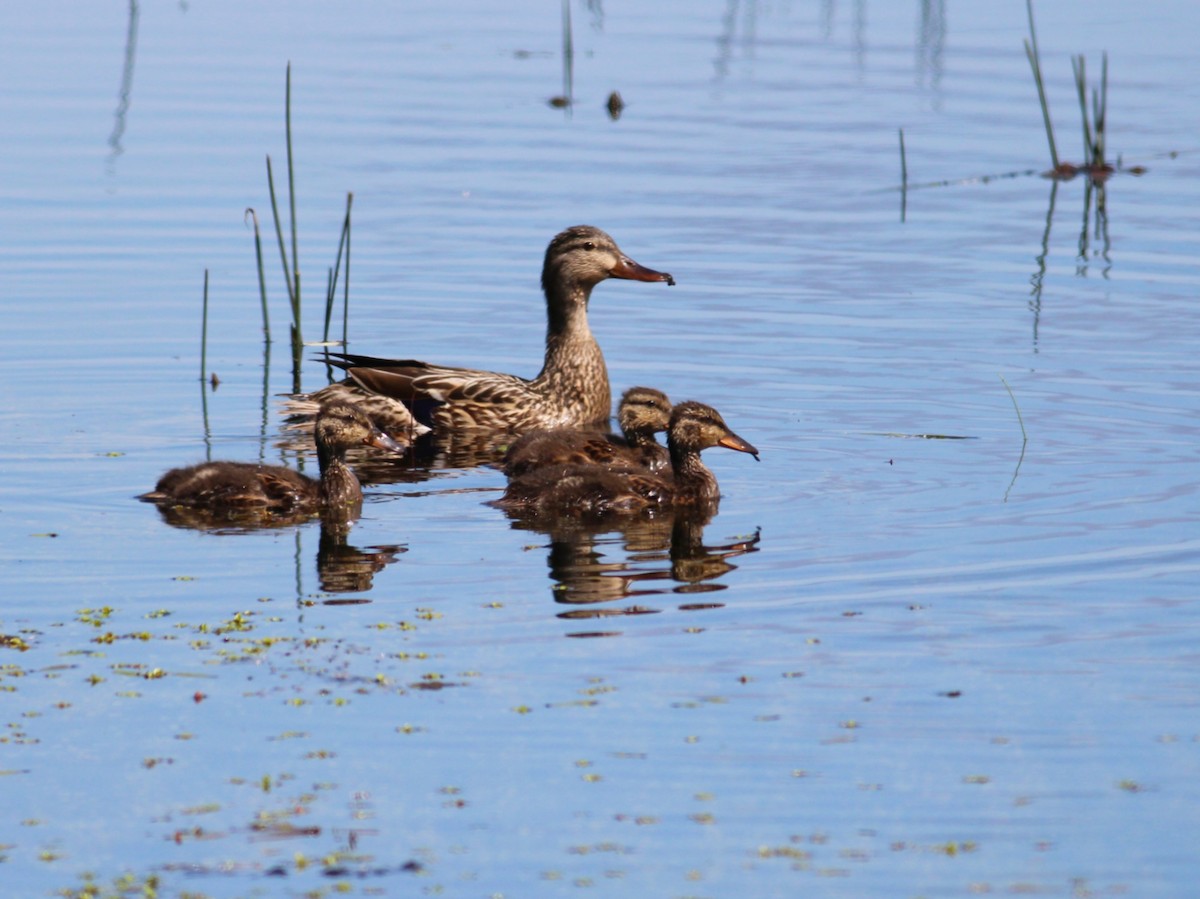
point(588, 245)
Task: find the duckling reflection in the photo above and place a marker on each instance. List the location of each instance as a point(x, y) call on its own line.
point(593, 563)
point(343, 568)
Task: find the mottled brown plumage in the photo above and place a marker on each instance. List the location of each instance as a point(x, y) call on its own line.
point(572, 390)
point(273, 489)
point(589, 490)
point(642, 413)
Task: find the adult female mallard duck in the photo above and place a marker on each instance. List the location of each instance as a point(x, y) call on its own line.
point(237, 488)
point(592, 490)
point(642, 413)
point(407, 396)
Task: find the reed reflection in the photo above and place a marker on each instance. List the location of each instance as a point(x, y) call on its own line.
point(1093, 242)
point(931, 44)
point(118, 131)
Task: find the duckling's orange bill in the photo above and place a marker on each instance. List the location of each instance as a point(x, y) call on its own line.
point(631, 271)
point(734, 442)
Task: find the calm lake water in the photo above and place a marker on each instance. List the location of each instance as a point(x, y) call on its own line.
point(895, 664)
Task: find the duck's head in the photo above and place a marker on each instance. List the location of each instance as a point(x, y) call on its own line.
point(695, 426)
point(583, 256)
point(341, 426)
point(644, 410)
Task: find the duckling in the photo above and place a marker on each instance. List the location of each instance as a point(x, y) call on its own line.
point(592, 490)
point(572, 390)
point(642, 413)
point(253, 488)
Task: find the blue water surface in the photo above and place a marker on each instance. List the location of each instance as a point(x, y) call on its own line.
point(941, 641)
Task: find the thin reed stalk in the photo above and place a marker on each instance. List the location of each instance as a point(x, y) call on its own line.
point(1020, 420)
point(1079, 68)
point(293, 294)
point(1035, 63)
point(903, 178)
point(346, 282)
point(204, 330)
point(262, 275)
point(265, 405)
point(330, 294)
point(335, 272)
point(287, 114)
point(1024, 438)
point(1093, 127)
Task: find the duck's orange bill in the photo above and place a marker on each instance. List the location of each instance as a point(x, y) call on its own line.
point(631, 271)
point(734, 442)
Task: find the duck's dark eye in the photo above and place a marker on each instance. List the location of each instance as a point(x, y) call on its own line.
point(588, 245)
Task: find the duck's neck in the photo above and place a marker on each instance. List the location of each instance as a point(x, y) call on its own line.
point(693, 481)
point(339, 486)
point(574, 366)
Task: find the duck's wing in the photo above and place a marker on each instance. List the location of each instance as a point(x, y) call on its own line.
point(285, 490)
point(410, 380)
point(450, 399)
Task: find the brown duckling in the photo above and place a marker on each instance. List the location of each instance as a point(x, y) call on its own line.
point(572, 390)
point(643, 412)
point(589, 490)
point(273, 489)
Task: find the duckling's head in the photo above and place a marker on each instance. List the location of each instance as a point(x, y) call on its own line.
point(695, 426)
point(644, 411)
point(583, 256)
point(341, 426)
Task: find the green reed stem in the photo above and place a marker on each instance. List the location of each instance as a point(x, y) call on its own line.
point(1024, 437)
point(1020, 420)
point(204, 330)
point(346, 282)
point(283, 257)
point(292, 190)
point(262, 275)
point(335, 272)
point(330, 295)
point(1079, 68)
point(265, 405)
point(1035, 63)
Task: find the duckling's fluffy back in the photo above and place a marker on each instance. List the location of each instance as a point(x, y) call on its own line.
point(242, 484)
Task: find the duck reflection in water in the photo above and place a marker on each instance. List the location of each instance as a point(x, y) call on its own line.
point(344, 568)
point(595, 563)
